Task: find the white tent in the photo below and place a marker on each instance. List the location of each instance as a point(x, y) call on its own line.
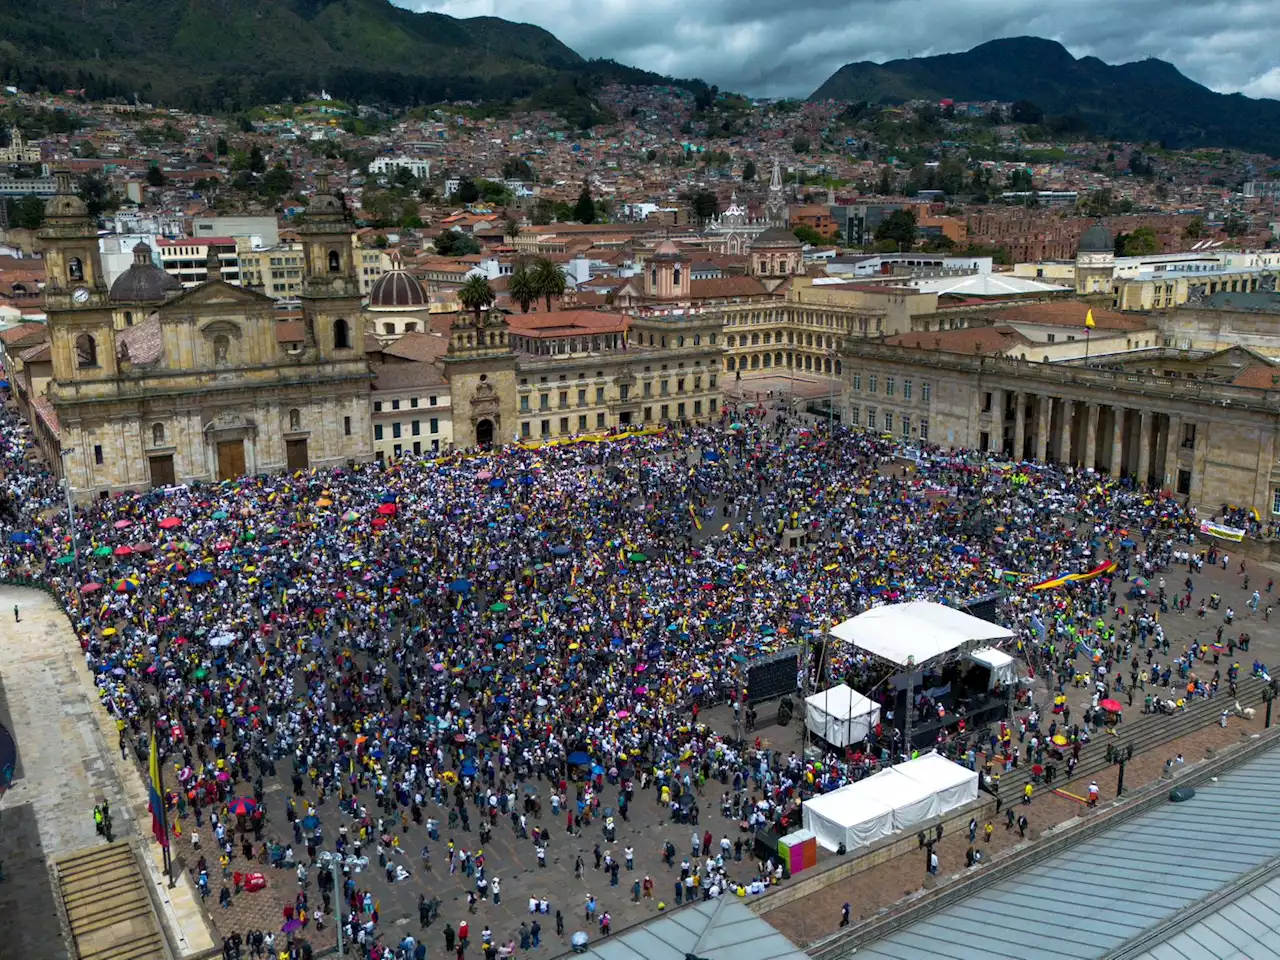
point(952, 784)
point(889, 802)
point(841, 715)
point(999, 663)
point(847, 816)
point(911, 634)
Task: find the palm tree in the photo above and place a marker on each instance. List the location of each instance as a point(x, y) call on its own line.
point(523, 287)
point(476, 294)
point(548, 279)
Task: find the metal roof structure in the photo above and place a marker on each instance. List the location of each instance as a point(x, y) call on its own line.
point(1102, 893)
point(720, 929)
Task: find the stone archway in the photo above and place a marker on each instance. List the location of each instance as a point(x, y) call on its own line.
point(484, 433)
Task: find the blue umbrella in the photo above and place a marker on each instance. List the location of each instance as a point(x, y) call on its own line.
point(710, 455)
point(397, 573)
point(597, 769)
point(579, 758)
point(525, 480)
point(21, 538)
point(310, 823)
point(388, 498)
point(460, 586)
point(561, 551)
point(502, 699)
point(468, 769)
point(1126, 542)
point(959, 548)
point(497, 483)
point(198, 577)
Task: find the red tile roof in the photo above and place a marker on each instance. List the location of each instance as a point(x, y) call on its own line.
point(566, 323)
point(1069, 313)
point(984, 340)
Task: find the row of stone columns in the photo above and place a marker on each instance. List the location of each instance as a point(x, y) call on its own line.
point(1111, 438)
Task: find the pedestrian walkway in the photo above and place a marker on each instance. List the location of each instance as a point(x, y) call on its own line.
point(66, 765)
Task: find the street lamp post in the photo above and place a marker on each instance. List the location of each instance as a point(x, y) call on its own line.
point(71, 515)
point(335, 862)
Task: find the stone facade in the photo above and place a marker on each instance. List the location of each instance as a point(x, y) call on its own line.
point(200, 387)
point(1211, 442)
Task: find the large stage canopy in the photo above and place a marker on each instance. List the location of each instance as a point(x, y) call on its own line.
point(841, 715)
point(912, 634)
point(889, 802)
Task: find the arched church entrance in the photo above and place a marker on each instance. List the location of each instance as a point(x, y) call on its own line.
point(484, 433)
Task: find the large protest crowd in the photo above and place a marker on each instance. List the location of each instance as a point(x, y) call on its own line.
point(421, 648)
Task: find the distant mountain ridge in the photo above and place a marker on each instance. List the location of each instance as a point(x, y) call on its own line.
point(231, 54)
point(1144, 100)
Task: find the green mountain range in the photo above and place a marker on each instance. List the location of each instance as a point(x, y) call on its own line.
point(1144, 100)
point(232, 54)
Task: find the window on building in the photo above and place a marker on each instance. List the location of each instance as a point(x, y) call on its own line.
point(97, 453)
point(417, 447)
point(545, 428)
point(413, 402)
point(564, 425)
point(431, 401)
point(377, 406)
point(157, 434)
point(599, 394)
point(873, 384)
point(855, 416)
point(664, 412)
point(395, 430)
point(377, 431)
point(525, 430)
point(924, 429)
point(647, 414)
point(524, 404)
point(341, 334)
point(544, 401)
point(890, 386)
point(434, 425)
point(888, 421)
point(871, 418)
point(398, 450)
point(1188, 436)
point(905, 427)
point(582, 422)
point(346, 426)
point(86, 351)
point(416, 428)
point(926, 392)
point(680, 410)
point(906, 389)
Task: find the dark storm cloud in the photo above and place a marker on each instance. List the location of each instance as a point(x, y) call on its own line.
point(771, 48)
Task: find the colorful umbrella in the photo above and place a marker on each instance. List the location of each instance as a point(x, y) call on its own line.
point(168, 523)
point(1111, 706)
point(242, 806)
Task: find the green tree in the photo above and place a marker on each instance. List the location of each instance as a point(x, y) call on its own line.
point(277, 181)
point(1235, 225)
point(748, 171)
point(476, 295)
point(221, 147)
point(1099, 203)
point(87, 150)
point(468, 192)
point(257, 162)
point(454, 243)
point(884, 187)
point(704, 205)
point(1194, 229)
point(806, 234)
point(96, 194)
point(516, 168)
point(800, 144)
point(522, 287)
point(27, 212)
point(1141, 242)
point(155, 176)
point(900, 228)
point(548, 280)
point(584, 210)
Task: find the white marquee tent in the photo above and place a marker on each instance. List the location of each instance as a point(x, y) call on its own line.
point(841, 715)
point(999, 663)
point(911, 634)
point(889, 802)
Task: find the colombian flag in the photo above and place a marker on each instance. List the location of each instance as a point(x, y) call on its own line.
point(155, 801)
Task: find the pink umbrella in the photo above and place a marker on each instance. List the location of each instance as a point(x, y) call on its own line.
point(623, 714)
point(223, 776)
point(438, 667)
point(222, 545)
point(91, 588)
point(641, 691)
point(122, 524)
point(168, 523)
point(142, 548)
point(641, 667)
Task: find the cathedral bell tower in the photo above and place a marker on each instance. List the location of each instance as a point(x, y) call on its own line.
point(75, 294)
point(480, 366)
point(330, 285)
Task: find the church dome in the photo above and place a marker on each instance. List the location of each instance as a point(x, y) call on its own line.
point(777, 237)
point(397, 290)
point(143, 282)
point(1097, 239)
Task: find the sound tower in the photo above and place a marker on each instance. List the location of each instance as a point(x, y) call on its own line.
point(774, 675)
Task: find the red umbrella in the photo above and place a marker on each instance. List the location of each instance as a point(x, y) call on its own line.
point(242, 807)
point(122, 551)
point(168, 523)
point(1111, 706)
point(91, 588)
point(379, 521)
point(142, 548)
point(122, 524)
point(387, 509)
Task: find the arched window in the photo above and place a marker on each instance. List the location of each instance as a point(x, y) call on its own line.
point(680, 340)
point(697, 339)
point(221, 349)
point(335, 262)
point(157, 434)
point(728, 364)
point(729, 341)
point(86, 351)
point(410, 326)
point(128, 318)
point(341, 333)
point(677, 278)
point(295, 420)
point(75, 269)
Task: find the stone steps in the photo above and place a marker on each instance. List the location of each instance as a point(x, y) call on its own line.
point(1152, 733)
point(107, 905)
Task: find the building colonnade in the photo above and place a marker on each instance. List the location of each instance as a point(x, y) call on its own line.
point(1154, 448)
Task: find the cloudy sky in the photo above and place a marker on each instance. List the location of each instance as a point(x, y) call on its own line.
point(772, 48)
